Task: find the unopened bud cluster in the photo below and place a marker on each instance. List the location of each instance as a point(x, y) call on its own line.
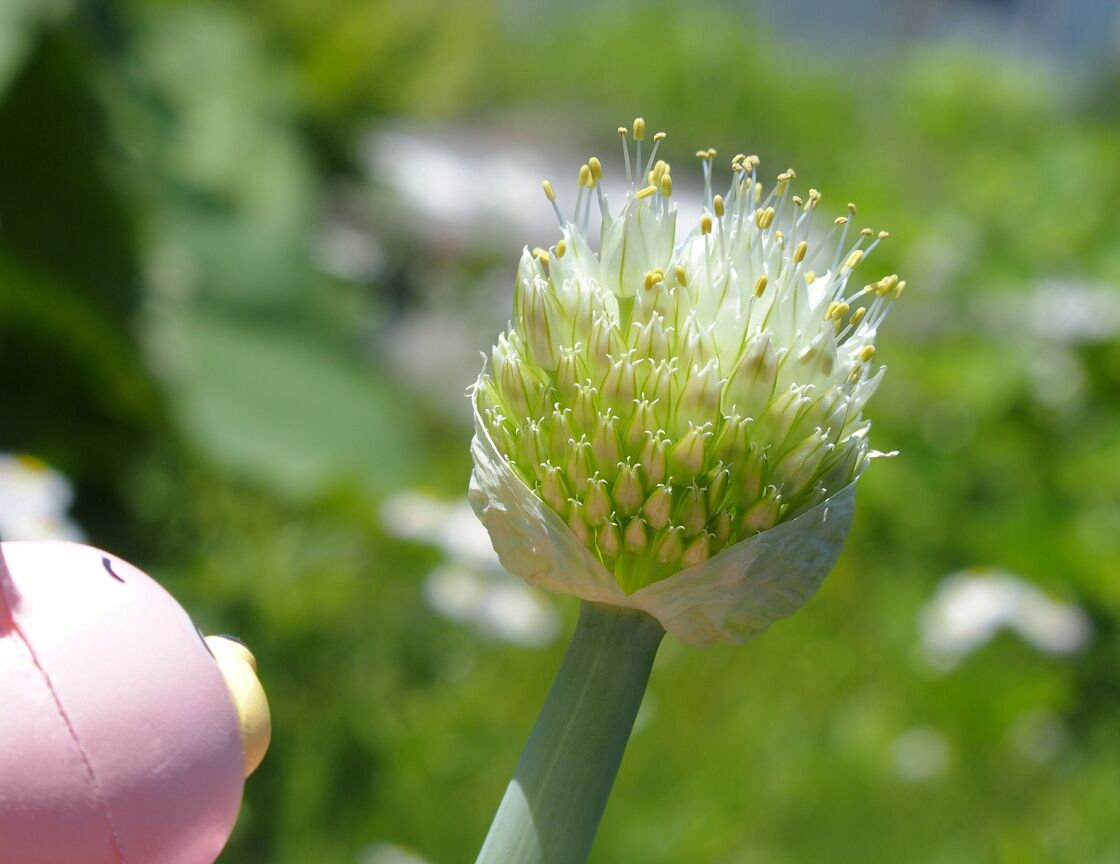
point(668, 399)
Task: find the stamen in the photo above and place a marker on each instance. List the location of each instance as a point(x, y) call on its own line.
point(639, 137)
point(550, 194)
point(626, 156)
point(658, 137)
point(843, 234)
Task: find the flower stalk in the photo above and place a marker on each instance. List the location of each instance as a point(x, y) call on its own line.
point(554, 803)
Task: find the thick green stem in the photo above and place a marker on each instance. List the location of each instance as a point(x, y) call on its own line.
point(552, 807)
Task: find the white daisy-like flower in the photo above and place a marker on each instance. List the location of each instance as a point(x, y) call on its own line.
point(675, 424)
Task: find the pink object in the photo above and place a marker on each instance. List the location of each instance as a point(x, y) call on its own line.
point(119, 740)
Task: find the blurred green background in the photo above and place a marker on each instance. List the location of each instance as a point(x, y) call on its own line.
point(249, 252)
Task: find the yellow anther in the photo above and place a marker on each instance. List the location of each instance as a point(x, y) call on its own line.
point(853, 260)
point(757, 192)
point(549, 192)
point(851, 207)
point(885, 285)
point(711, 152)
point(883, 235)
point(682, 276)
point(810, 276)
point(739, 157)
point(639, 129)
point(717, 205)
point(760, 285)
point(836, 310)
point(784, 177)
point(705, 224)
point(542, 256)
point(596, 168)
point(584, 176)
point(701, 154)
point(666, 185)
point(621, 131)
point(814, 195)
point(799, 252)
point(857, 316)
point(792, 174)
point(779, 238)
point(866, 353)
point(561, 248)
point(899, 288)
point(764, 218)
point(537, 251)
point(840, 220)
point(830, 311)
point(797, 199)
point(659, 136)
point(653, 277)
point(865, 232)
point(646, 192)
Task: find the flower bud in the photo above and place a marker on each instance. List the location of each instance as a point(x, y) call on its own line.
point(751, 385)
point(596, 501)
point(654, 458)
point(627, 492)
point(668, 547)
point(696, 552)
point(659, 507)
point(686, 458)
point(542, 323)
point(578, 466)
point(609, 540)
point(694, 510)
point(553, 490)
point(635, 539)
point(763, 514)
point(641, 422)
point(604, 444)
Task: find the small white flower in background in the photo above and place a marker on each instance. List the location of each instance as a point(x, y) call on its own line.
point(971, 606)
point(471, 587)
point(655, 402)
point(920, 754)
point(457, 182)
point(34, 501)
point(1073, 312)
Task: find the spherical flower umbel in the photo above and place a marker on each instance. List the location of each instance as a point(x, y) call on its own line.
point(676, 426)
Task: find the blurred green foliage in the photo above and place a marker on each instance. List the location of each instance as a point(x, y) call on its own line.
point(169, 339)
